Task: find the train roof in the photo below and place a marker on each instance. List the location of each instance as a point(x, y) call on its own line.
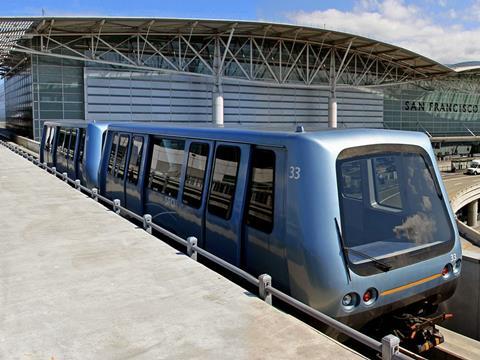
point(76, 123)
point(264, 134)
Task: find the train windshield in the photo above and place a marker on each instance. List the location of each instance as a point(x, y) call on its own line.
point(391, 206)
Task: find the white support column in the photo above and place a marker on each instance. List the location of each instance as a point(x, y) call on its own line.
point(332, 110)
point(472, 213)
point(217, 93)
point(217, 108)
point(332, 100)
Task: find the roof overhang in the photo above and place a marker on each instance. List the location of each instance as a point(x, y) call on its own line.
point(16, 34)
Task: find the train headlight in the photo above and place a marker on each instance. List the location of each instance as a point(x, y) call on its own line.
point(370, 296)
point(457, 266)
point(350, 300)
point(347, 300)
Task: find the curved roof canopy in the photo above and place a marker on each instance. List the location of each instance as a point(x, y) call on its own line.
point(470, 67)
point(243, 50)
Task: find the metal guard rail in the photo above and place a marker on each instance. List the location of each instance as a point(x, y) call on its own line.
point(389, 346)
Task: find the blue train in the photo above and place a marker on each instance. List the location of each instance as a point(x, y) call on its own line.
point(353, 222)
point(75, 148)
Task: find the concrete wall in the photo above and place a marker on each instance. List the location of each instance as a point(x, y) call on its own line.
point(133, 96)
point(27, 143)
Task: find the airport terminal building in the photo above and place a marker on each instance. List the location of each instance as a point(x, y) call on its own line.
point(225, 72)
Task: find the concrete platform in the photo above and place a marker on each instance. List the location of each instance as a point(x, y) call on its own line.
point(79, 282)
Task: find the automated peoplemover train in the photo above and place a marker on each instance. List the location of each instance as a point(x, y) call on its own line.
point(354, 223)
point(74, 148)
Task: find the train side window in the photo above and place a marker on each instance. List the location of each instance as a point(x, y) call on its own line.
point(387, 188)
point(352, 179)
point(195, 176)
point(121, 157)
point(66, 145)
point(135, 160)
point(261, 191)
point(81, 146)
point(224, 181)
point(61, 141)
point(73, 141)
point(166, 166)
point(53, 132)
point(113, 150)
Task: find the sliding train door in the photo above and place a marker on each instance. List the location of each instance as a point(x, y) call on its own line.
point(192, 205)
point(71, 152)
point(263, 244)
point(226, 199)
point(114, 184)
point(134, 178)
point(47, 154)
point(80, 168)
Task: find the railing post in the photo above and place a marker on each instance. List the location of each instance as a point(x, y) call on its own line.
point(192, 242)
point(44, 165)
point(147, 223)
point(390, 347)
point(54, 170)
point(65, 176)
point(77, 184)
point(116, 206)
point(95, 194)
point(265, 281)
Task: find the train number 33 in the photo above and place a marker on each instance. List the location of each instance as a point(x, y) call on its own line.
point(294, 172)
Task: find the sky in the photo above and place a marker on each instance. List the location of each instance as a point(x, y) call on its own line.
point(445, 30)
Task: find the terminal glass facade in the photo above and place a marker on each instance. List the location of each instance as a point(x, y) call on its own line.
point(46, 88)
point(58, 92)
point(450, 107)
point(18, 101)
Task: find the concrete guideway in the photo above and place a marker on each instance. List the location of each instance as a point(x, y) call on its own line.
point(464, 191)
point(459, 346)
point(79, 282)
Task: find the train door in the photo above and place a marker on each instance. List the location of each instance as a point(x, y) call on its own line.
point(114, 187)
point(263, 245)
point(162, 187)
point(61, 149)
point(134, 179)
point(226, 199)
point(80, 161)
point(191, 208)
point(70, 151)
point(48, 145)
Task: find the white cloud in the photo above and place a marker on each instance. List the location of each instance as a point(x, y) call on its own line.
point(442, 3)
point(404, 25)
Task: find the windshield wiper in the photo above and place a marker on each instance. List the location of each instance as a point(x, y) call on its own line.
point(344, 250)
point(379, 264)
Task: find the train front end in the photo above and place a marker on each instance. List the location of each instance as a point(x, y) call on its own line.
point(398, 240)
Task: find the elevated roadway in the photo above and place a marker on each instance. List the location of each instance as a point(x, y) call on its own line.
point(79, 282)
point(461, 188)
